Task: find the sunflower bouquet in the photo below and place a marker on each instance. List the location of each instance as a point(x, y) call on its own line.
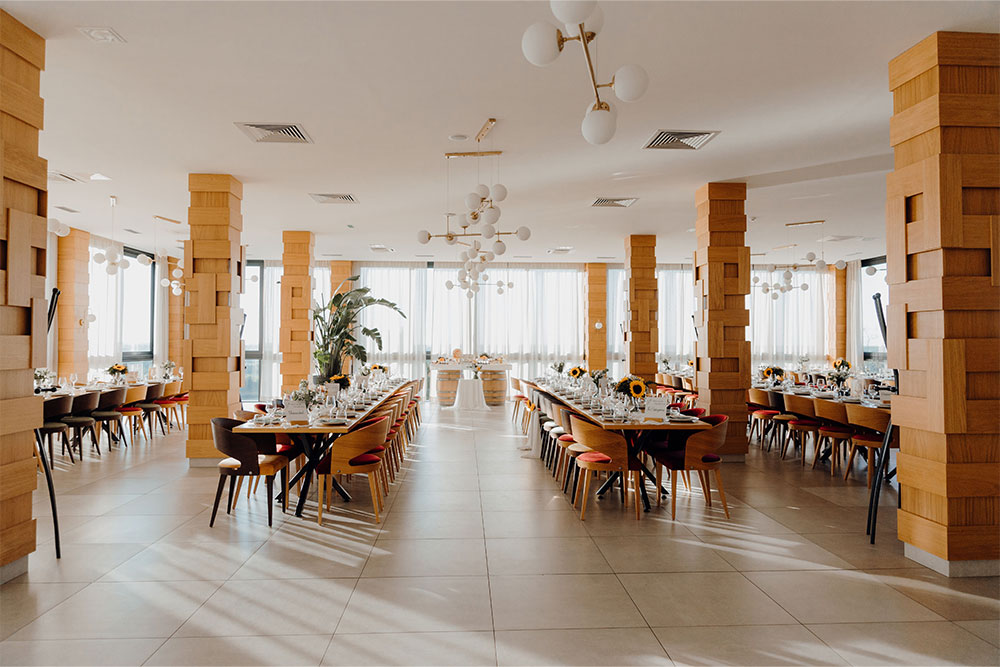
point(342, 380)
point(117, 370)
point(774, 374)
point(379, 367)
point(577, 372)
point(631, 386)
point(841, 371)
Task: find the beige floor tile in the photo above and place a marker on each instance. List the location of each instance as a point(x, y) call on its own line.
point(78, 652)
point(557, 601)
point(289, 650)
point(839, 596)
point(988, 630)
point(532, 523)
point(653, 553)
point(521, 500)
point(178, 504)
point(742, 521)
point(271, 607)
point(79, 562)
point(746, 645)
point(615, 521)
point(545, 555)
point(415, 648)
point(906, 644)
point(422, 604)
point(831, 519)
point(438, 501)
point(614, 646)
point(432, 525)
point(426, 558)
point(128, 529)
point(84, 505)
point(779, 495)
point(701, 598)
point(517, 482)
point(21, 603)
point(120, 610)
point(425, 483)
point(857, 495)
point(170, 561)
point(955, 598)
point(291, 557)
point(44, 534)
point(886, 553)
point(774, 552)
point(228, 528)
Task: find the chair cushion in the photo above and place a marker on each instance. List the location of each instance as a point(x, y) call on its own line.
point(376, 448)
point(164, 401)
point(558, 430)
point(577, 448)
point(566, 437)
point(711, 458)
point(836, 430)
point(288, 451)
point(765, 413)
point(784, 418)
point(110, 414)
point(364, 459)
point(77, 421)
point(269, 464)
point(392, 431)
point(867, 437)
point(53, 426)
point(594, 457)
point(149, 406)
point(805, 422)
point(128, 410)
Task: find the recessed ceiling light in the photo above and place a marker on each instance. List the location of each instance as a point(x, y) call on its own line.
point(690, 229)
point(459, 137)
point(130, 231)
point(786, 246)
point(66, 208)
point(350, 226)
point(804, 223)
point(522, 256)
point(98, 176)
point(606, 257)
point(332, 254)
point(102, 35)
point(423, 255)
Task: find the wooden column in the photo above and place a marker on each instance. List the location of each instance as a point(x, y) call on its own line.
point(73, 282)
point(339, 272)
point(641, 334)
point(296, 302)
point(943, 253)
point(595, 296)
point(840, 312)
point(175, 321)
point(23, 307)
point(213, 278)
point(722, 281)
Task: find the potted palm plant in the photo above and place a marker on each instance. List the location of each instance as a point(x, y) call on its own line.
point(337, 330)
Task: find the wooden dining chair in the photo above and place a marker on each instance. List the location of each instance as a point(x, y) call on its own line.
point(132, 413)
point(80, 421)
point(779, 429)
point(869, 434)
point(243, 459)
point(170, 409)
point(700, 454)
point(835, 429)
point(350, 455)
point(609, 455)
point(53, 410)
point(761, 414)
point(802, 426)
point(107, 416)
point(150, 409)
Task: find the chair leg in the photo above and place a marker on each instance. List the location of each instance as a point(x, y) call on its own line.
point(659, 484)
point(637, 476)
point(239, 485)
point(722, 494)
point(373, 486)
point(284, 483)
point(229, 505)
point(218, 496)
point(269, 484)
point(586, 492)
point(673, 495)
point(320, 483)
point(819, 448)
point(871, 464)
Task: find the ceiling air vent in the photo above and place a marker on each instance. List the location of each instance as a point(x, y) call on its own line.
point(130, 230)
point(836, 238)
point(66, 177)
point(66, 208)
point(380, 248)
point(561, 250)
point(614, 202)
point(331, 198)
point(275, 133)
point(689, 140)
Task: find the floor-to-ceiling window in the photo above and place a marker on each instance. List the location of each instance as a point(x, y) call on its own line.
point(251, 331)
point(872, 343)
point(138, 293)
point(793, 326)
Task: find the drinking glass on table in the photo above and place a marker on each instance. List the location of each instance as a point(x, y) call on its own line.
point(73, 377)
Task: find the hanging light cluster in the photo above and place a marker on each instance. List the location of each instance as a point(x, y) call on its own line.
point(583, 19)
point(114, 258)
point(777, 289)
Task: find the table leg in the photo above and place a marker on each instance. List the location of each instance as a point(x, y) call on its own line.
point(341, 490)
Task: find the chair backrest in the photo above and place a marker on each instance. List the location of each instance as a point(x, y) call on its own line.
point(134, 394)
point(235, 445)
point(705, 442)
point(800, 405)
point(776, 400)
point(172, 388)
point(154, 391)
point(359, 441)
point(595, 437)
point(85, 403)
point(112, 399)
point(693, 412)
point(759, 396)
point(57, 407)
point(830, 411)
point(865, 417)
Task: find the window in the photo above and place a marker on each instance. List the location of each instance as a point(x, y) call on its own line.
point(794, 325)
point(123, 304)
point(871, 334)
point(138, 289)
point(252, 332)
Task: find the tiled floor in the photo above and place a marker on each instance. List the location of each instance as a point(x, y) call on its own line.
point(480, 560)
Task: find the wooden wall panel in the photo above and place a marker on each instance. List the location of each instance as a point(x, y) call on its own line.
point(73, 281)
point(840, 312)
point(296, 301)
point(175, 320)
point(213, 275)
point(943, 204)
point(23, 304)
point(722, 281)
point(641, 333)
point(595, 297)
point(339, 272)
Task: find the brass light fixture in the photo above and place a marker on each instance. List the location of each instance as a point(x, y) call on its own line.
point(583, 19)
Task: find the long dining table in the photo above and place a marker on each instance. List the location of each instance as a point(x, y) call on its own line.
point(634, 431)
point(316, 440)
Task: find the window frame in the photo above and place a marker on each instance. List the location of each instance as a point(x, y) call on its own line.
point(255, 354)
point(865, 354)
point(135, 357)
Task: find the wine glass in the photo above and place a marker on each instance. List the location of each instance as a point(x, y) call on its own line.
point(73, 377)
point(62, 381)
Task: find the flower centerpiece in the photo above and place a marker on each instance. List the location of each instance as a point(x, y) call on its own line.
point(337, 328)
point(342, 380)
point(44, 377)
point(631, 386)
point(306, 394)
point(803, 363)
point(598, 375)
point(380, 367)
point(664, 361)
point(841, 371)
point(475, 371)
point(117, 371)
point(577, 372)
point(168, 369)
point(774, 374)
point(558, 367)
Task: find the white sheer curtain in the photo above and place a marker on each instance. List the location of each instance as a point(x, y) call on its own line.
point(270, 313)
point(675, 294)
point(615, 322)
point(321, 284)
point(792, 326)
point(449, 313)
point(855, 351)
point(161, 321)
point(404, 339)
point(104, 335)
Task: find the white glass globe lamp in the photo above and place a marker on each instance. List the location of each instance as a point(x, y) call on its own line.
point(63, 230)
point(631, 82)
point(499, 248)
point(756, 279)
point(145, 260)
point(810, 256)
point(177, 273)
point(488, 256)
point(488, 231)
point(472, 201)
point(470, 294)
point(540, 44)
point(423, 237)
point(593, 24)
point(499, 283)
point(498, 192)
point(123, 263)
point(509, 285)
point(820, 265)
point(164, 282)
point(599, 126)
point(523, 233)
point(483, 191)
point(176, 291)
point(474, 287)
point(841, 264)
point(491, 215)
point(572, 11)
point(449, 285)
point(111, 269)
point(787, 275)
point(804, 287)
point(871, 270)
point(99, 258)
point(774, 296)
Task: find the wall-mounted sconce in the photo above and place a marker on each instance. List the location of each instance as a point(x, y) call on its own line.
point(598, 325)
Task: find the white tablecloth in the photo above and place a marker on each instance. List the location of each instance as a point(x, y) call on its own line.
point(469, 395)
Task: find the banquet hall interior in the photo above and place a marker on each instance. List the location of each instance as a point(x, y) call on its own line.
point(559, 333)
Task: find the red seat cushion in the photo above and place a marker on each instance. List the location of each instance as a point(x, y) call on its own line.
point(392, 431)
point(711, 458)
point(867, 437)
point(594, 457)
point(286, 450)
point(567, 438)
point(376, 448)
point(804, 422)
point(364, 459)
point(766, 413)
point(259, 407)
point(835, 430)
point(128, 411)
point(164, 401)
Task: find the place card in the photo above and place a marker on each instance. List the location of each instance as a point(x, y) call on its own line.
point(296, 412)
point(656, 408)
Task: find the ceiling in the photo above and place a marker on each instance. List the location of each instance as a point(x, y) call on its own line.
point(798, 90)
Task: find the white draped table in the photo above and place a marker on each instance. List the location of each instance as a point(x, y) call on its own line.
point(469, 395)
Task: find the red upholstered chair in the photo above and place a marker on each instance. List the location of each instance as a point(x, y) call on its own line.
point(805, 423)
point(351, 455)
point(693, 412)
point(609, 455)
point(699, 454)
point(169, 407)
point(870, 425)
point(132, 413)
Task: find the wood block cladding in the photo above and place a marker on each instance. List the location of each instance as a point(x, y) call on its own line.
point(722, 281)
point(641, 334)
point(339, 272)
point(73, 281)
point(23, 306)
point(595, 296)
point(840, 312)
point(296, 301)
point(175, 322)
point(943, 253)
point(213, 279)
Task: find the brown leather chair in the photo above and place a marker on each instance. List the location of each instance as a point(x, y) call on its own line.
point(53, 410)
point(151, 408)
point(80, 420)
point(107, 414)
point(244, 460)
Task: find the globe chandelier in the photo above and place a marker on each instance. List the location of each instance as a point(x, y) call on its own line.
point(542, 43)
point(115, 258)
point(478, 230)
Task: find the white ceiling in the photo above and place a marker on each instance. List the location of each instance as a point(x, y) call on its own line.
point(798, 90)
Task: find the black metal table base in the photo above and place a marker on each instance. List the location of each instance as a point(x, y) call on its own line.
point(314, 447)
